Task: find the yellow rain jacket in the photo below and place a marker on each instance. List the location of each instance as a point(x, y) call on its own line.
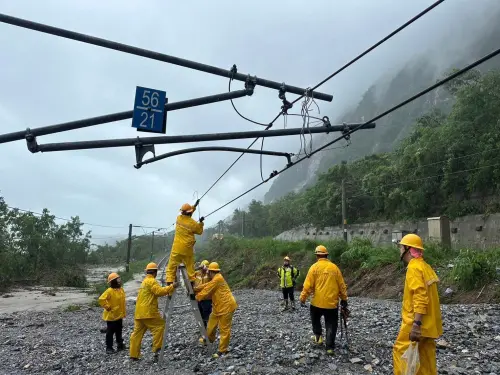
point(185, 229)
point(223, 301)
point(287, 276)
point(421, 296)
point(146, 306)
point(113, 302)
point(201, 279)
point(325, 281)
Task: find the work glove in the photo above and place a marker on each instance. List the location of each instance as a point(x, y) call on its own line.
point(202, 219)
point(343, 304)
point(415, 333)
point(175, 284)
point(303, 304)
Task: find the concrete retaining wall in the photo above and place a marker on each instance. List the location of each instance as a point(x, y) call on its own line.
point(479, 231)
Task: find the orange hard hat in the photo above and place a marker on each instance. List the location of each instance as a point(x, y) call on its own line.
point(113, 276)
point(186, 207)
point(151, 266)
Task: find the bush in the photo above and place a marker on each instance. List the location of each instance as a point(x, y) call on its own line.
point(336, 248)
point(473, 269)
point(437, 255)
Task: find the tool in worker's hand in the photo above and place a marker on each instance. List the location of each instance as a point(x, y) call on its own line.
point(344, 315)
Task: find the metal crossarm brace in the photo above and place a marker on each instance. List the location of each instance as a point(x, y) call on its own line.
point(119, 116)
point(153, 55)
point(124, 142)
point(140, 151)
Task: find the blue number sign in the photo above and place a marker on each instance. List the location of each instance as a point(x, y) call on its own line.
point(149, 110)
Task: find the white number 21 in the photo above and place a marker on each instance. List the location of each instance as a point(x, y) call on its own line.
point(145, 116)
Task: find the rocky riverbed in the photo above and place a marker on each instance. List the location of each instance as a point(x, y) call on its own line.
point(264, 341)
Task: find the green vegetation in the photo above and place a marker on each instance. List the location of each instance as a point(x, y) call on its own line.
point(449, 164)
point(474, 269)
point(35, 249)
point(253, 262)
point(141, 249)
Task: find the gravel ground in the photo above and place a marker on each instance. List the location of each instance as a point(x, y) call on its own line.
point(264, 341)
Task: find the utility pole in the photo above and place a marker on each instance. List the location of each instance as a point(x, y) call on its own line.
point(152, 246)
point(129, 245)
point(243, 223)
point(344, 219)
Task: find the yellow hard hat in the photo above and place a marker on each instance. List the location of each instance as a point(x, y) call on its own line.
point(205, 262)
point(112, 276)
point(214, 267)
point(412, 240)
point(286, 258)
point(151, 266)
point(186, 207)
point(321, 250)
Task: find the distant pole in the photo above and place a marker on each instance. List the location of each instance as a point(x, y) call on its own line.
point(129, 245)
point(243, 224)
point(344, 218)
point(152, 246)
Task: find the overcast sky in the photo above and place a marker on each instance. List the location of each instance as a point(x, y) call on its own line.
point(46, 80)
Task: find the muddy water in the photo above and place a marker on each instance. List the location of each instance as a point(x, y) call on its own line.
point(42, 298)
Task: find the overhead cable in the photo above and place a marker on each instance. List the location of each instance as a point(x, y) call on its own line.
point(396, 107)
point(380, 42)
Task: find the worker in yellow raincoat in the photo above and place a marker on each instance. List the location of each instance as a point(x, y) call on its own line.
point(421, 312)
point(325, 281)
point(113, 302)
point(223, 307)
point(204, 306)
point(183, 247)
point(147, 316)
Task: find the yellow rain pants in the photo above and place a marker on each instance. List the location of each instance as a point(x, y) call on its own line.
point(174, 261)
point(183, 247)
point(224, 322)
point(426, 351)
point(155, 325)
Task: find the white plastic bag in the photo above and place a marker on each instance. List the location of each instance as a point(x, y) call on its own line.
point(412, 359)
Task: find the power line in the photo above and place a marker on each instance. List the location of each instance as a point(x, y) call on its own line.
point(427, 10)
point(396, 107)
point(380, 42)
point(427, 178)
point(444, 161)
point(234, 107)
point(83, 223)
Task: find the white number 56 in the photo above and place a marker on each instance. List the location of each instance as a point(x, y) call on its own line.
point(153, 100)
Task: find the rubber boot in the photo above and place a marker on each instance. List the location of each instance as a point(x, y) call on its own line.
point(286, 306)
point(121, 347)
point(293, 305)
point(110, 351)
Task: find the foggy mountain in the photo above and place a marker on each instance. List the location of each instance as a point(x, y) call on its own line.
point(454, 50)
